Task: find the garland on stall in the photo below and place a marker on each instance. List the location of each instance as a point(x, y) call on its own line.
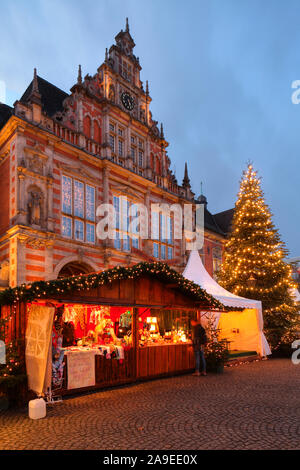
point(157, 270)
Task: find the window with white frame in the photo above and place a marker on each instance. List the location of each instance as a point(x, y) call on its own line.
point(141, 158)
point(127, 234)
point(112, 142)
point(121, 147)
point(162, 233)
point(78, 210)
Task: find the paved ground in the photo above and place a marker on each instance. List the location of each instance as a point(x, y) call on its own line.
point(251, 406)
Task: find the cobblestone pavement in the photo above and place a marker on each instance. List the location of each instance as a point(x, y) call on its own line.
point(252, 406)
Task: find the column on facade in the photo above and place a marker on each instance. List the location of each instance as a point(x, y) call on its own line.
point(49, 260)
point(49, 219)
point(147, 242)
point(19, 255)
point(21, 199)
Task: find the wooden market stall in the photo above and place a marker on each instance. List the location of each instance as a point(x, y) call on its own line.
point(98, 330)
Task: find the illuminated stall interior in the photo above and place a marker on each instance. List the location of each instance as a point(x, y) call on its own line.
point(108, 328)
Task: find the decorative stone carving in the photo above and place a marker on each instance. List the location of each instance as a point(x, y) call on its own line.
point(35, 208)
point(142, 115)
point(111, 93)
point(36, 164)
point(4, 271)
point(35, 242)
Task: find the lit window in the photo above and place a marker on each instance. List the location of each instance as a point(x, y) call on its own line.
point(117, 241)
point(90, 233)
point(66, 226)
point(78, 201)
point(117, 211)
point(90, 203)
point(162, 231)
point(155, 250)
point(155, 225)
point(79, 230)
point(67, 195)
point(78, 198)
point(126, 244)
point(135, 242)
point(127, 234)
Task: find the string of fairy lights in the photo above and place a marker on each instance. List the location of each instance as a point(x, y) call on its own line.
point(156, 270)
point(253, 263)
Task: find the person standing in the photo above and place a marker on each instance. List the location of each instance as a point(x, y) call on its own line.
point(199, 341)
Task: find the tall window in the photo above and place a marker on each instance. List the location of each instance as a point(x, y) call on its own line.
point(162, 232)
point(78, 210)
point(125, 69)
point(127, 235)
point(121, 145)
point(112, 142)
point(141, 158)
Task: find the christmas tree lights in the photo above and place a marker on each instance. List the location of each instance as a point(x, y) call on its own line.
point(253, 264)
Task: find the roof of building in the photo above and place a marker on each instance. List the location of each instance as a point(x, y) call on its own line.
point(52, 97)
point(210, 223)
point(5, 113)
point(224, 220)
point(217, 223)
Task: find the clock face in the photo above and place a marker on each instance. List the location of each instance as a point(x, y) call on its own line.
point(128, 101)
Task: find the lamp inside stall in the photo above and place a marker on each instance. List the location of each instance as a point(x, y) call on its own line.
point(152, 326)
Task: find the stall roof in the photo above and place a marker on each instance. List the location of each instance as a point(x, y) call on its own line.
point(196, 272)
point(157, 270)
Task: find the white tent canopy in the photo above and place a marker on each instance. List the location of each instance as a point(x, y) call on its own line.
point(295, 294)
point(248, 323)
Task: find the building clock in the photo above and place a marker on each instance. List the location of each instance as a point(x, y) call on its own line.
point(127, 101)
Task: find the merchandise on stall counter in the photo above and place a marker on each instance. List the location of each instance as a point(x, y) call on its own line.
point(150, 334)
point(96, 330)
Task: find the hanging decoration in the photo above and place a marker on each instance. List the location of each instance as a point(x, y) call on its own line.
point(157, 270)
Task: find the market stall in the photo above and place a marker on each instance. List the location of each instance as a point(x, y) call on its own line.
point(98, 330)
point(242, 322)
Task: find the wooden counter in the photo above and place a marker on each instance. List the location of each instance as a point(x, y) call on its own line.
point(145, 363)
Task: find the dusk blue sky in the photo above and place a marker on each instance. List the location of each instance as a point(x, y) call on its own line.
point(220, 75)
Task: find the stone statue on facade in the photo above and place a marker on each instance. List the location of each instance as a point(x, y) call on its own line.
point(35, 208)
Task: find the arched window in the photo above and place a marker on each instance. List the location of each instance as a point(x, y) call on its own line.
point(87, 126)
point(157, 169)
point(97, 132)
point(74, 269)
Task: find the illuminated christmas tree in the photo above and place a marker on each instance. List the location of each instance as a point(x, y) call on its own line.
point(253, 264)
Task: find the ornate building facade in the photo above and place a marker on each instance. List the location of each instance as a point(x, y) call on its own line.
point(61, 155)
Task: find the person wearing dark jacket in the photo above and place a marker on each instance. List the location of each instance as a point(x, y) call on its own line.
point(199, 340)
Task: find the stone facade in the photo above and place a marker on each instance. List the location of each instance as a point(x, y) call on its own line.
point(95, 145)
